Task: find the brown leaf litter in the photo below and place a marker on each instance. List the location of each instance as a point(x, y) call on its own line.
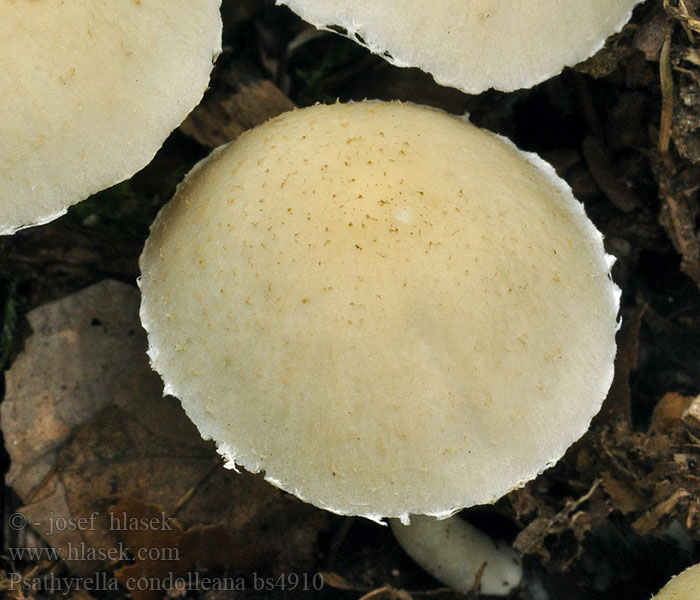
point(94, 432)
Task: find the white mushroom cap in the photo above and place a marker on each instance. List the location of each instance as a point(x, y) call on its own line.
point(685, 586)
point(474, 45)
point(385, 308)
point(90, 90)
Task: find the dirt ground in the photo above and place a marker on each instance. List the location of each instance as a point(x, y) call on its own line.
point(615, 518)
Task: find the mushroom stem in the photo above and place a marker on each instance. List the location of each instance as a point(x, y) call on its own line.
point(453, 551)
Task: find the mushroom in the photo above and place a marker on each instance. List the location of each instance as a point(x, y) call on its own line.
point(384, 308)
point(474, 45)
point(685, 586)
point(90, 92)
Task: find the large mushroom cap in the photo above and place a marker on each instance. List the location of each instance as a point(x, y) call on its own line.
point(386, 309)
point(90, 90)
point(474, 45)
point(685, 586)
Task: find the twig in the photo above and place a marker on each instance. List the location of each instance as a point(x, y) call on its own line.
point(666, 76)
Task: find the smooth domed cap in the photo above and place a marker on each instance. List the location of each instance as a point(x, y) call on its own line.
point(474, 45)
point(685, 586)
point(385, 308)
point(90, 90)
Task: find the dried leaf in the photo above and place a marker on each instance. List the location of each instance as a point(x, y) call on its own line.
point(602, 169)
point(691, 417)
point(336, 581)
point(623, 497)
point(618, 404)
point(94, 430)
point(668, 412)
point(163, 551)
point(651, 519)
point(651, 34)
point(223, 117)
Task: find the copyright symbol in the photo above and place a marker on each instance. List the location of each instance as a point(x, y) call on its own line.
point(17, 521)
